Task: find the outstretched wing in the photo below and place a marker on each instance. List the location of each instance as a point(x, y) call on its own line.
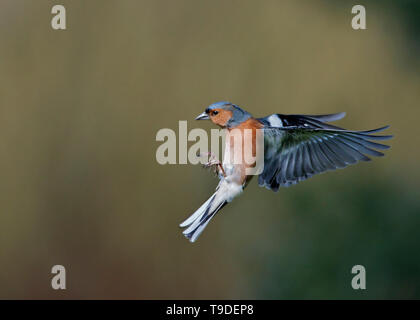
point(300, 146)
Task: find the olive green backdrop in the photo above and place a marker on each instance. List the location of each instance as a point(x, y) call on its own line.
point(80, 186)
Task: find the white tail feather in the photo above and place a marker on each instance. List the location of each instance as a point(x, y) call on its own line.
point(196, 223)
point(200, 211)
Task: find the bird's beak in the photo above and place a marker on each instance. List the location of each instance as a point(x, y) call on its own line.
point(203, 116)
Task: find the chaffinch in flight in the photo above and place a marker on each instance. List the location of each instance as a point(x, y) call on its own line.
point(296, 147)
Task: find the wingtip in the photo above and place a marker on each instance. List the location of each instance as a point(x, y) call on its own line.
point(383, 128)
point(384, 137)
point(328, 117)
point(376, 130)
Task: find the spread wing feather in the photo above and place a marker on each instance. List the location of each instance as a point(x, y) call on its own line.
point(305, 146)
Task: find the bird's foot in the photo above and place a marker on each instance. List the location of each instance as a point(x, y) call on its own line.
point(213, 163)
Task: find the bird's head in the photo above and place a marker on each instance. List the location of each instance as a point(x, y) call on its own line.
point(224, 114)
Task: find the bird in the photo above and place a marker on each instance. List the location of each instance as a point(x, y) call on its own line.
point(296, 147)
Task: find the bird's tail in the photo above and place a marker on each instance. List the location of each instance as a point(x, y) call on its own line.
point(198, 220)
point(225, 192)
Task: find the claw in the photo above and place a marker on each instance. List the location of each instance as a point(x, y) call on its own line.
point(213, 162)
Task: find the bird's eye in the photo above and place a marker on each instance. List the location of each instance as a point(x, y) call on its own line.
point(215, 112)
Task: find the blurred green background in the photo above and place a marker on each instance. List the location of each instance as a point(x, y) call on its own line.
point(80, 186)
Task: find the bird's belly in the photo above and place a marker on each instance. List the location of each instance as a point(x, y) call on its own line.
point(229, 168)
point(234, 160)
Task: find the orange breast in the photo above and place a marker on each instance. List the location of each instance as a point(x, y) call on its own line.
point(240, 151)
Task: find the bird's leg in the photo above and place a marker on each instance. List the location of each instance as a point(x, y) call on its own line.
point(214, 162)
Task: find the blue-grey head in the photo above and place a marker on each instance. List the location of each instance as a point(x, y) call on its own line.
point(224, 114)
